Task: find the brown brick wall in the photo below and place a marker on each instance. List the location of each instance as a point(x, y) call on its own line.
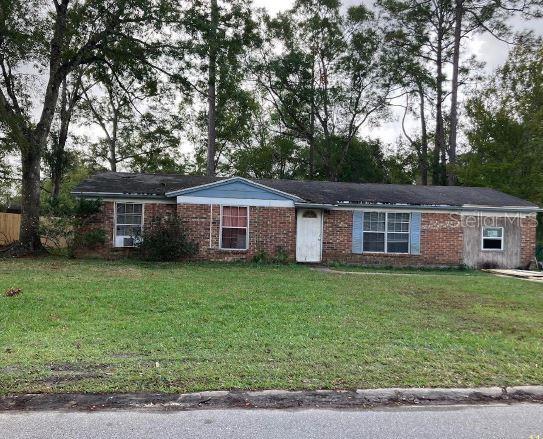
point(528, 239)
point(270, 228)
point(106, 221)
point(441, 241)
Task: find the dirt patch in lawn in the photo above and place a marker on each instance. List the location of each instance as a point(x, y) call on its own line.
point(65, 373)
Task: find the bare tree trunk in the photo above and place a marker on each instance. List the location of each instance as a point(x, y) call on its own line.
point(59, 146)
point(211, 92)
point(56, 174)
point(439, 146)
point(454, 90)
point(423, 165)
point(29, 234)
point(312, 124)
point(113, 143)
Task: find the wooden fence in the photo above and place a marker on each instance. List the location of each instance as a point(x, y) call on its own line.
point(9, 227)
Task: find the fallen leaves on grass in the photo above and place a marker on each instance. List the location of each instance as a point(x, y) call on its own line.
point(11, 292)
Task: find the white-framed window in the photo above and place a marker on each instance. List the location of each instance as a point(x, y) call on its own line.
point(128, 224)
point(386, 232)
point(234, 228)
point(492, 238)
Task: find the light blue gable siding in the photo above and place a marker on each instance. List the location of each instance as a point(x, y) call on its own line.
point(358, 223)
point(414, 234)
point(236, 189)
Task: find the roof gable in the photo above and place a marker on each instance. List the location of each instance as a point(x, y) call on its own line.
point(236, 187)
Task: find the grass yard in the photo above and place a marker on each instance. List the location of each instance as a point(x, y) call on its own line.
point(97, 326)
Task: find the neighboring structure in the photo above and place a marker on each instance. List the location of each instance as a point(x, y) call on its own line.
point(315, 221)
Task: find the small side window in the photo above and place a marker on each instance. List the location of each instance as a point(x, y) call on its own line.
point(492, 238)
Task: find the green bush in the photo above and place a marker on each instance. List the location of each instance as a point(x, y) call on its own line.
point(70, 227)
point(262, 257)
point(539, 252)
point(90, 239)
point(165, 240)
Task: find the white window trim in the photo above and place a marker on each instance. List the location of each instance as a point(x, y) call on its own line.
point(502, 239)
point(385, 252)
point(115, 221)
point(246, 235)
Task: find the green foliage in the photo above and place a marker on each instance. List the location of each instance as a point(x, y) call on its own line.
point(401, 168)
point(506, 127)
point(270, 157)
point(263, 257)
point(329, 79)
point(165, 239)
point(230, 41)
point(281, 256)
point(90, 239)
point(70, 226)
point(66, 201)
point(365, 160)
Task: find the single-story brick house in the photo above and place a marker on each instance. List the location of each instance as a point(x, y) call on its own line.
point(317, 221)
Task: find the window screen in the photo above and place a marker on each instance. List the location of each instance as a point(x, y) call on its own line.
point(374, 232)
point(234, 223)
point(398, 233)
point(129, 223)
point(386, 232)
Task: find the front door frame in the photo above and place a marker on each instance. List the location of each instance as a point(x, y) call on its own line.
point(299, 213)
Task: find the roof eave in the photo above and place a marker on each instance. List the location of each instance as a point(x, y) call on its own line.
point(507, 209)
point(94, 194)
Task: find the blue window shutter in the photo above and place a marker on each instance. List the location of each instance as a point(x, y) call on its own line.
point(358, 224)
point(414, 234)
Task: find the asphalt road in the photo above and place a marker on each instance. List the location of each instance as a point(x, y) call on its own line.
point(523, 421)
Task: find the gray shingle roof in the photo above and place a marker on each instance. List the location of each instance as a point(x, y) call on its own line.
point(319, 192)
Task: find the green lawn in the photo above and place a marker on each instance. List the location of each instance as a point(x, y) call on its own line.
point(99, 326)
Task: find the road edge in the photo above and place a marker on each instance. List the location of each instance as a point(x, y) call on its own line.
point(270, 399)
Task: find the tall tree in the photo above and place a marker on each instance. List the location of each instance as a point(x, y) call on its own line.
point(330, 79)
point(57, 37)
point(424, 30)
point(57, 157)
point(433, 32)
point(134, 123)
point(215, 38)
point(506, 127)
point(211, 87)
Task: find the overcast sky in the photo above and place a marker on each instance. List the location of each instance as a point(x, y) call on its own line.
point(485, 47)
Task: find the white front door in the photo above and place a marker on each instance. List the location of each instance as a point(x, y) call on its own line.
point(309, 235)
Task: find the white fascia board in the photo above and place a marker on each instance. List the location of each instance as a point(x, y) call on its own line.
point(229, 180)
point(224, 201)
point(139, 200)
point(123, 198)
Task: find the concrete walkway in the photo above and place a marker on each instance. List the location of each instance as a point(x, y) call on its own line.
point(389, 273)
point(536, 276)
